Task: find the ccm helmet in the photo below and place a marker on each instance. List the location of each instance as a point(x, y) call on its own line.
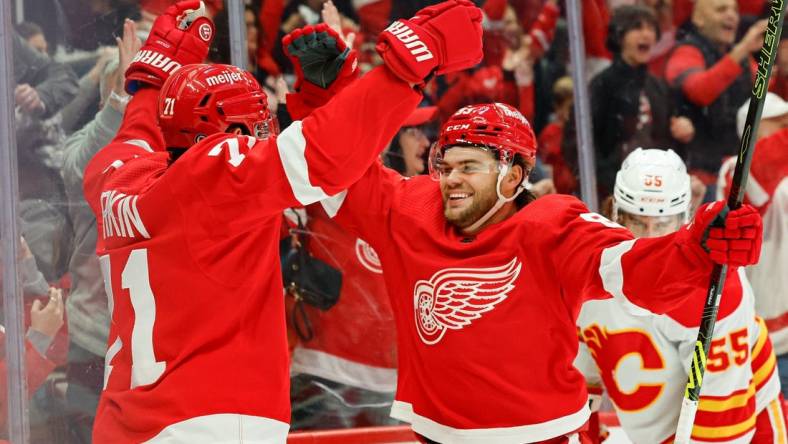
point(497, 127)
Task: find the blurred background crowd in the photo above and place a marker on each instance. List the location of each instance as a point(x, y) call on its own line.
point(660, 73)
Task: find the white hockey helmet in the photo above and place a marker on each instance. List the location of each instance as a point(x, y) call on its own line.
point(652, 182)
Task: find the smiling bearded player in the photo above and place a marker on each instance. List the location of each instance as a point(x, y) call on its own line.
point(189, 201)
point(486, 283)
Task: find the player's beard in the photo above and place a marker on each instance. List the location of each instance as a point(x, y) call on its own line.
point(481, 202)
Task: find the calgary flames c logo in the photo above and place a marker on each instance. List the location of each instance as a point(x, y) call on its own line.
point(455, 297)
point(637, 386)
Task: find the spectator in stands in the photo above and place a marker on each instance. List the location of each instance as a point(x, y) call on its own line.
point(713, 74)
point(663, 11)
point(88, 313)
point(42, 85)
point(84, 106)
point(630, 108)
point(408, 150)
point(767, 190)
point(780, 70)
point(551, 137)
point(33, 36)
point(45, 321)
point(220, 51)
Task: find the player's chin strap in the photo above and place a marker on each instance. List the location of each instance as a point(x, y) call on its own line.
point(501, 200)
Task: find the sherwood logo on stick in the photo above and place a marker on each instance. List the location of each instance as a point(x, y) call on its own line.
point(411, 41)
point(224, 77)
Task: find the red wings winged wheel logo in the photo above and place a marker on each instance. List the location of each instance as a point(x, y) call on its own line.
point(455, 297)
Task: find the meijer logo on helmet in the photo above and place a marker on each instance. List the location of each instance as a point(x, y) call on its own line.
point(411, 41)
point(223, 77)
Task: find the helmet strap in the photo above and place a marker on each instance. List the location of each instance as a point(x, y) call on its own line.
point(499, 203)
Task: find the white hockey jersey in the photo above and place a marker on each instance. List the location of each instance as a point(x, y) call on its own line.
point(767, 190)
point(642, 361)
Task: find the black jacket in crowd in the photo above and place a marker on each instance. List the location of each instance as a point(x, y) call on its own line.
point(622, 121)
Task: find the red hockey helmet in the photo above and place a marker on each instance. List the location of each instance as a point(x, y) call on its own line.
point(495, 126)
point(199, 100)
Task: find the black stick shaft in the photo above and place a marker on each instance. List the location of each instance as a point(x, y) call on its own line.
point(741, 174)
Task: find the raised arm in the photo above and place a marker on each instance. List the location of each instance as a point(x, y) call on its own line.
point(331, 148)
point(600, 259)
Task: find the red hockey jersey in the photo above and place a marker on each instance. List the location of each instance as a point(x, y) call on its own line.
point(190, 258)
point(486, 324)
point(354, 341)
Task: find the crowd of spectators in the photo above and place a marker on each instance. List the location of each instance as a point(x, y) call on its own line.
point(661, 74)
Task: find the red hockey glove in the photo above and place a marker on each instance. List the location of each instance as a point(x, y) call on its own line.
point(323, 64)
point(169, 47)
point(441, 38)
point(737, 243)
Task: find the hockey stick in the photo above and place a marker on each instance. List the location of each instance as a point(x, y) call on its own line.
point(689, 405)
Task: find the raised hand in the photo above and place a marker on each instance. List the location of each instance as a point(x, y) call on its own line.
point(441, 38)
point(177, 38)
point(332, 18)
point(48, 319)
point(323, 64)
point(128, 46)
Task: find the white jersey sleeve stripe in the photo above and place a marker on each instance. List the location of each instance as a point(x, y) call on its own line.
point(612, 275)
point(291, 145)
point(333, 204)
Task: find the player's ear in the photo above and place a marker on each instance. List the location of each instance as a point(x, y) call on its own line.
point(515, 175)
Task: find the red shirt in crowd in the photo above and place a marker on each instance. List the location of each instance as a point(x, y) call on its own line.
point(705, 83)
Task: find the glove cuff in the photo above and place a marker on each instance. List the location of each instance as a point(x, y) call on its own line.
point(301, 104)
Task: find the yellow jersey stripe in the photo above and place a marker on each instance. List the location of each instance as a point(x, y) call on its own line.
point(702, 432)
point(766, 369)
point(778, 421)
point(762, 335)
point(733, 402)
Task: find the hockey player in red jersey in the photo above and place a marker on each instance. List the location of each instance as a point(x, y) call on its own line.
point(642, 359)
point(189, 216)
point(486, 283)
